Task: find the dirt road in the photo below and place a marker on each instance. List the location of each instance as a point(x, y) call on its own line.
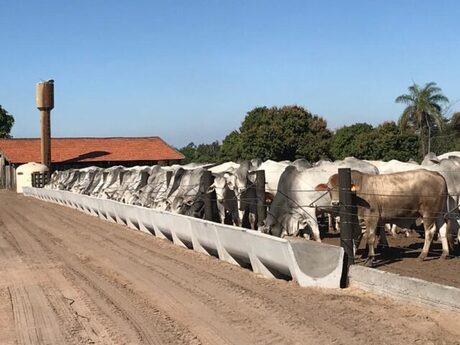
point(69, 278)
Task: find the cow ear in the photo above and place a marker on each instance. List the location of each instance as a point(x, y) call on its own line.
point(321, 187)
point(354, 188)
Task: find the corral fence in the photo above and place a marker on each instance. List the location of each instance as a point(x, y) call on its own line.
point(39, 180)
point(7, 177)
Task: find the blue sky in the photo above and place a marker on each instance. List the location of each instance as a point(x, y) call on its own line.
point(190, 70)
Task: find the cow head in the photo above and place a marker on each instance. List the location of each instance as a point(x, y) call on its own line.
point(332, 187)
point(218, 186)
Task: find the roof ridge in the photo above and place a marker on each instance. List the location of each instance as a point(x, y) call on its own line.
point(86, 149)
point(64, 138)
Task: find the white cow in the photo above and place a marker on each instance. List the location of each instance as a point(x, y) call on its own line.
point(293, 211)
point(223, 186)
point(449, 154)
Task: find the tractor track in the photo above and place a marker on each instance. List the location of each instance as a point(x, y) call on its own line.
point(71, 278)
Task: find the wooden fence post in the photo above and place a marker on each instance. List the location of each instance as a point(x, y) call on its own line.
point(207, 181)
point(348, 215)
point(260, 194)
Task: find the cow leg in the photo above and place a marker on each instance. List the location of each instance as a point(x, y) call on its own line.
point(240, 217)
point(221, 210)
point(444, 233)
point(315, 230)
point(371, 227)
point(430, 229)
point(393, 230)
point(331, 220)
point(383, 241)
point(253, 221)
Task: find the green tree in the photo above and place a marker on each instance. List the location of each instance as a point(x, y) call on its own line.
point(203, 153)
point(454, 123)
point(423, 112)
point(6, 123)
point(386, 142)
point(449, 140)
point(208, 153)
point(288, 132)
point(189, 152)
point(231, 149)
point(348, 141)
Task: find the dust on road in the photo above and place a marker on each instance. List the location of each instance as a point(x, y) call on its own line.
point(69, 278)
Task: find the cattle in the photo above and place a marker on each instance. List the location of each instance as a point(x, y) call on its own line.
point(155, 188)
point(398, 198)
point(294, 208)
point(273, 171)
point(449, 155)
point(389, 167)
point(186, 196)
point(238, 186)
point(112, 182)
point(223, 187)
point(450, 170)
point(67, 179)
point(394, 166)
point(86, 180)
point(133, 180)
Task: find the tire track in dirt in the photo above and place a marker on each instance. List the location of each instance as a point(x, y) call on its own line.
point(113, 301)
point(211, 334)
point(337, 323)
point(264, 325)
point(184, 296)
point(31, 279)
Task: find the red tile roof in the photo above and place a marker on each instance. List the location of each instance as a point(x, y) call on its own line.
point(90, 150)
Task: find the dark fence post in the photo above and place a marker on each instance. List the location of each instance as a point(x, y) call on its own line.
point(260, 194)
point(169, 175)
point(207, 181)
point(144, 178)
point(121, 176)
point(348, 218)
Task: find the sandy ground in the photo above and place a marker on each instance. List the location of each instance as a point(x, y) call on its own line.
point(402, 258)
point(69, 278)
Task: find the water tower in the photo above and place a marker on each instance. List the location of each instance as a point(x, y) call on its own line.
point(45, 103)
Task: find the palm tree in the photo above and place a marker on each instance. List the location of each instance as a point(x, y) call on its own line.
point(423, 111)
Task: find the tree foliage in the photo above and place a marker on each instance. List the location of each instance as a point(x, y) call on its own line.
point(289, 132)
point(423, 113)
point(203, 153)
point(231, 149)
point(348, 141)
point(6, 123)
point(449, 139)
point(385, 142)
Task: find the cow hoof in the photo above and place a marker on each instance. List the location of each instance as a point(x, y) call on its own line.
point(370, 262)
point(422, 257)
point(446, 256)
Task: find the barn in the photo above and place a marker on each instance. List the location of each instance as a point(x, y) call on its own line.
point(83, 152)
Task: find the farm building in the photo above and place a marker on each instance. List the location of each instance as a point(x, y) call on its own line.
point(83, 152)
